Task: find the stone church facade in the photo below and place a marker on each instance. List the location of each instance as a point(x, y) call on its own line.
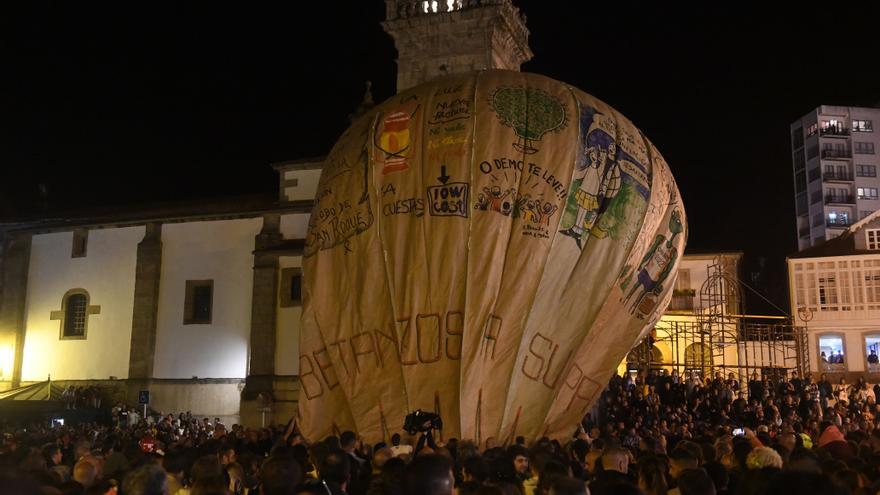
point(199, 303)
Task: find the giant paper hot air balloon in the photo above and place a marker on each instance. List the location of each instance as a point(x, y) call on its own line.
point(487, 246)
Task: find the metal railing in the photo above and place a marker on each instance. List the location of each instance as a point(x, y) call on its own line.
point(837, 176)
point(681, 302)
point(840, 199)
point(836, 153)
point(834, 131)
point(837, 222)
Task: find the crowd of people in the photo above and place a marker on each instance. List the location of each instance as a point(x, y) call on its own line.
point(652, 433)
point(81, 397)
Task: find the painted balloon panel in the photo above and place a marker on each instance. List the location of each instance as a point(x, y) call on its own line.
point(487, 246)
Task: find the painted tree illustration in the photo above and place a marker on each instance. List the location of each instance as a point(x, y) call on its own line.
point(530, 112)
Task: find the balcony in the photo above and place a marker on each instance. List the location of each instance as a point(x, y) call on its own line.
point(836, 154)
point(838, 223)
point(837, 177)
point(682, 300)
point(834, 132)
point(802, 232)
point(836, 199)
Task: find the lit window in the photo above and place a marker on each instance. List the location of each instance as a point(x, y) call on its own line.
point(831, 352)
point(433, 6)
point(838, 218)
point(873, 236)
point(862, 126)
point(832, 126)
point(872, 352)
point(867, 192)
point(812, 129)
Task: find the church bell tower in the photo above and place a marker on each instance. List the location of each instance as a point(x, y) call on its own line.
point(438, 37)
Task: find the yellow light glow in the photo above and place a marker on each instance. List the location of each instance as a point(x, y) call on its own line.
point(40, 357)
point(6, 358)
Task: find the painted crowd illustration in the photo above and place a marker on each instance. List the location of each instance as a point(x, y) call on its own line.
point(563, 175)
point(507, 203)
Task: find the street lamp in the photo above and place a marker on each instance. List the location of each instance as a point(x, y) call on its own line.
point(805, 314)
point(263, 407)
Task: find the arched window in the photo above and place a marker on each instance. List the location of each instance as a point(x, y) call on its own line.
point(656, 356)
point(638, 357)
point(697, 356)
point(74, 314)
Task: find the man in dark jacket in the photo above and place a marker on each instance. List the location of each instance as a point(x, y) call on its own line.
point(615, 472)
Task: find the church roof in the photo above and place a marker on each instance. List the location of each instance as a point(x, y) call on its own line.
point(166, 212)
point(36, 391)
point(842, 245)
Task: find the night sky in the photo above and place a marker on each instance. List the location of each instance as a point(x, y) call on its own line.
point(161, 102)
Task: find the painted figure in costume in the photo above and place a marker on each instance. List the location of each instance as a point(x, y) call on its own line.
point(597, 184)
point(655, 265)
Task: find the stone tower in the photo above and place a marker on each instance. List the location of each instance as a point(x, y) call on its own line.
point(438, 37)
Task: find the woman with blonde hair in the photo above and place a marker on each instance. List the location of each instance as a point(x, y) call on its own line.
point(763, 457)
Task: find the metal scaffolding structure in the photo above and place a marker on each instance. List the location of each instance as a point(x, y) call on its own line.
point(718, 337)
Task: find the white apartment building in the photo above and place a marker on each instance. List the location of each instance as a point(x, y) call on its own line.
point(835, 292)
point(835, 161)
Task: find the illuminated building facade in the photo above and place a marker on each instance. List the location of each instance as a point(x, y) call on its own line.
point(200, 302)
point(835, 288)
point(835, 161)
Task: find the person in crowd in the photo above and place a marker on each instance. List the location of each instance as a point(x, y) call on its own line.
point(148, 479)
point(429, 474)
point(615, 471)
point(85, 473)
point(360, 467)
point(695, 482)
point(652, 475)
point(653, 433)
point(280, 475)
